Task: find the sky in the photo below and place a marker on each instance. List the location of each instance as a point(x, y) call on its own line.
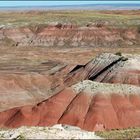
point(54, 3)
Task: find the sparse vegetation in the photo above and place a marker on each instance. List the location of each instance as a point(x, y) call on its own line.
point(130, 133)
point(139, 29)
point(113, 18)
point(124, 58)
point(36, 28)
point(20, 137)
point(118, 53)
point(8, 42)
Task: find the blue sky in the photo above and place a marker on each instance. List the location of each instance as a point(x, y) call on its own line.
point(48, 3)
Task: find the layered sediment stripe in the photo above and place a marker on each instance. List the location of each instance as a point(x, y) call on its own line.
point(89, 105)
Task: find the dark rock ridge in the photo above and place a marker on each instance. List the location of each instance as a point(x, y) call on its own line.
point(103, 94)
point(107, 68)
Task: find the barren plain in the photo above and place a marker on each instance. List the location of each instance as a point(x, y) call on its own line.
point(78, 68)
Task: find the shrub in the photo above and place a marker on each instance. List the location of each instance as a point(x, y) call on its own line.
point(37, 28)
point(118, 53)
point(139, 29)
point(124, 58)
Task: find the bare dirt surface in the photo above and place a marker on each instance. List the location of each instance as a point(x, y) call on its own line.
point(68, 36)
point(82, 69)
point(70, 28)
point(55, 132)
point(49, 97)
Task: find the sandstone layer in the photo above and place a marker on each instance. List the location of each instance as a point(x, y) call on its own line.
point(68, 36)
point(88, 105)
point(108, 68)
point(103, 94)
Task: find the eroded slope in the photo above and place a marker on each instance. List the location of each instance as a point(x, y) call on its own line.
point(49, 97)
point(89, 105)
point(61, 35)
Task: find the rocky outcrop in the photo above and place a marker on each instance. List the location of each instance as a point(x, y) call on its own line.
point(92, 69)
point(83, 96)
point(126, 72)
point(68, 36)
point(55, 132)
point(108, 68)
